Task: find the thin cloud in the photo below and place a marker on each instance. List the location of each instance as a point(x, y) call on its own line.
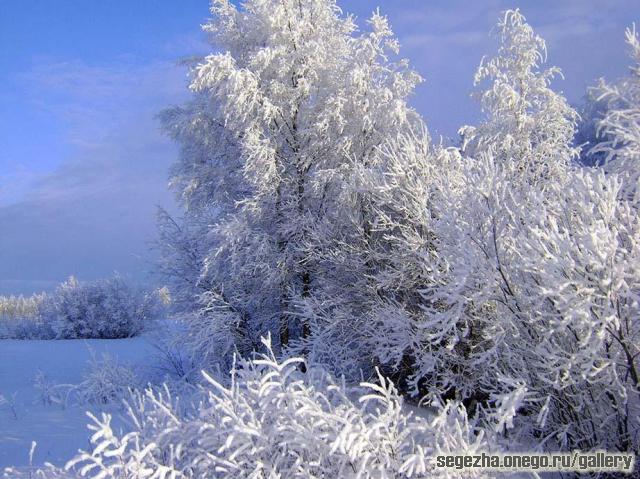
point(94, 213)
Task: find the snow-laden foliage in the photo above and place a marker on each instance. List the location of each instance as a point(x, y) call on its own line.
point(526, 123)
point(21, 318)
point(538, 289)
point(182, 246)
point(531, 302)
point(15, 307)
point(501, 274)
point(620, 126)
point(274, 421)
point(499, 286)
point(105, 380)
point(107, 308)
point(588, 135)
point(363, 265)
point(279, 145)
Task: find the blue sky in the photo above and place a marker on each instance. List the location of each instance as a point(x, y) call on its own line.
point(83, 164)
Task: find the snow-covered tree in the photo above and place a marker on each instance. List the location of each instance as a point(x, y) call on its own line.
point(499, 274)
point(182, 244)
point(620, 126)
point(531, 298)
point(284, 128)
point(526, 124)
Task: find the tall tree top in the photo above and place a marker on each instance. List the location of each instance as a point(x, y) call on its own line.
point(526, 123)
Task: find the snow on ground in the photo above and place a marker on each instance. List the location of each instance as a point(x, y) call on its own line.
point(59, 431)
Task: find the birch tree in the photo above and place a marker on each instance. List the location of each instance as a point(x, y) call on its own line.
point(286, 115)
point(526, 123)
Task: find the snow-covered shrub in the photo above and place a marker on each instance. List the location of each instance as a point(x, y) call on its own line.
point(106, 380)
point(272, 420)
point(533, 296)
point(106, 308)
point(173, 359)
point(21, 317)
point(532, 300)
point(50, 392)
point(582, 259)
point(385, 286)
point(538, 289)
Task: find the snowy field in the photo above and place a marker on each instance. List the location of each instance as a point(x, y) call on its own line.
point(58, 430)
